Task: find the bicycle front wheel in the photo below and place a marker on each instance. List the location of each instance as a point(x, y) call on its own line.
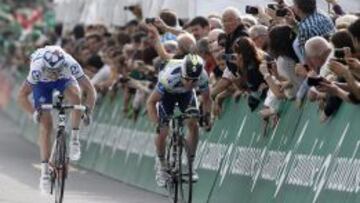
point(60, 169)
point(172, 184)
point(185, 180)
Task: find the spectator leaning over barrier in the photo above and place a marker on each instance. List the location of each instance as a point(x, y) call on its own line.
point(199, 27)
point(234, 29)
point(246, 76)
point(319, 53)
point(280, 45)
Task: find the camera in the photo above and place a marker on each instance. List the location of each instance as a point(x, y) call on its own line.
point(339, 53)
point(314, 81)
point(251, 10)
point(228, 57)
point(269, 61)
point(222, 39)
point(273, 6)
point(281, 12)
point(130, 8)
point(149, 20)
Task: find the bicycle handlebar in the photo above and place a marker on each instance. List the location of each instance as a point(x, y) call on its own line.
point(51, 106)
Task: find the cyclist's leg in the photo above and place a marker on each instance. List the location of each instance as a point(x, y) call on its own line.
point(189, 101)
point(73, 95)
point(42, 94)
point(165, 109)
point(46, 127)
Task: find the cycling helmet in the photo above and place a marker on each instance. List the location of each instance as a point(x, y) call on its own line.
point(192, 66)
point(53, 58)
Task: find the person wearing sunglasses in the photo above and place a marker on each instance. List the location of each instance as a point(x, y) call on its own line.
point(178, 83)
point(52, 69)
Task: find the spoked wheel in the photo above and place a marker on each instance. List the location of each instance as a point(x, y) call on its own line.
point(60, 172)
point(185, 175)
point(172, 184)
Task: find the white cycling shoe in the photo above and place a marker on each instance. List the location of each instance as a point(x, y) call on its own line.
point(45, 183)
point(75, 150)
point(195, 176)
point(162, 176)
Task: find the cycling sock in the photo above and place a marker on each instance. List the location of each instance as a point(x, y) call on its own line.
point(161, 160)
point(44, 168)
point(75, 134)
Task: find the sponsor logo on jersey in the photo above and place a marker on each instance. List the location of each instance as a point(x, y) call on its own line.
point(36, 75)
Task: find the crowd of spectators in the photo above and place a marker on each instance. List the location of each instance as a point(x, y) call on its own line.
point(271, 54)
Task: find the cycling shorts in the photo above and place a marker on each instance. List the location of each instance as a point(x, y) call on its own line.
point(168, 101)
point(42, 91)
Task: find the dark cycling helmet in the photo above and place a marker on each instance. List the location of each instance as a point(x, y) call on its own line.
point(53, 58)
point(192, 66)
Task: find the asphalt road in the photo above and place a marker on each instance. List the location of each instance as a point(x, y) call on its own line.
point(19, 177)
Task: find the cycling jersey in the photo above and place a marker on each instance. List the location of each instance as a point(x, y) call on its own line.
point(41, 82)
point(169, 79)
point(71, 68)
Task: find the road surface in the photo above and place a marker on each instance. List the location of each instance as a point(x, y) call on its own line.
point(19, 177)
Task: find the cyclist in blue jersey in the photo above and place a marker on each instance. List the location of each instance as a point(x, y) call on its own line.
point(177, 83)
point(51, 68)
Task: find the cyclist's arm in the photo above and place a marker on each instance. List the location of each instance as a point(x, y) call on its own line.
point(151, 106)
point(207, 102)
point(23, 101)
point(89, 91)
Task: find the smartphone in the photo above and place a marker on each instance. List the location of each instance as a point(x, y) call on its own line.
point(273, 6)
point(339, 53)
point(314, 81)
point(281, 12)
point(228, 57)
point(149, 20)
point(251, 10)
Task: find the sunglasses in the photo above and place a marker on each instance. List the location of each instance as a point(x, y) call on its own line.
point(190, 79)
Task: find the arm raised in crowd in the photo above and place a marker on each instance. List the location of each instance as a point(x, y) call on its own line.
point(157, 44)
point(161, 25)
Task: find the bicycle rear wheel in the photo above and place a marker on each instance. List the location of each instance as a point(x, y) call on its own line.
point(185, 174)
point(60, 169)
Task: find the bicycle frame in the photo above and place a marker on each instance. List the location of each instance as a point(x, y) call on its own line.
point(176, 184)
point(58, 159)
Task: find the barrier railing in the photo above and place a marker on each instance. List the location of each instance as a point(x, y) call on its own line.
point(299, 159)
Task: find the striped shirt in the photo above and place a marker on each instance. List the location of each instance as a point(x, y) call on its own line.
point(316, 24)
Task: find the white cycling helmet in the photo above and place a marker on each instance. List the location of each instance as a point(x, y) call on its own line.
point(53, 58)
